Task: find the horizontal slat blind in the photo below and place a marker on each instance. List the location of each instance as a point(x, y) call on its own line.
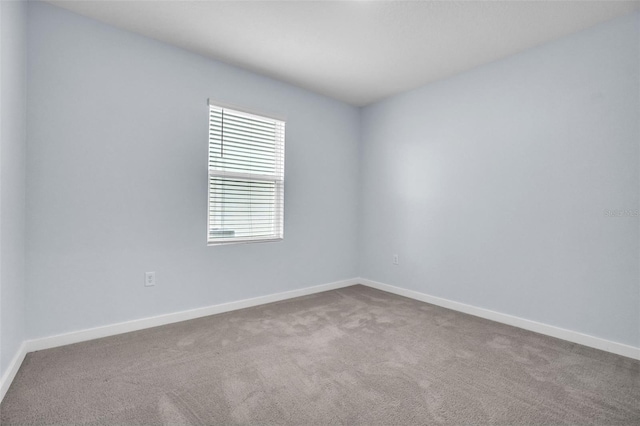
point(246, 177)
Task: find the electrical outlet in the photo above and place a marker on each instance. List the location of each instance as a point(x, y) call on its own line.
point(149, 279)
point(396, 259)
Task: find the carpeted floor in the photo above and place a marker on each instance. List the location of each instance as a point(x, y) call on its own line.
point(350, 356)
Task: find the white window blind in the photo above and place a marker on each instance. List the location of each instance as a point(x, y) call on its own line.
point(246, 177)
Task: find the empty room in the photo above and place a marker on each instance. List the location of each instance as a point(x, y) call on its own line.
point(320, 212)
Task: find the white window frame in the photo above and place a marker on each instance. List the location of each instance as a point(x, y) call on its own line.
point(277, 178)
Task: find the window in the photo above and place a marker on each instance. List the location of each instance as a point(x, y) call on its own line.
point(246, 177)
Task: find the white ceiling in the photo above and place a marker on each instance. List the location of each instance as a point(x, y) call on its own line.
point(355, 51)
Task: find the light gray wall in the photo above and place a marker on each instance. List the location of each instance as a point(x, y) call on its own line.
point(12, 178)
point(492, 186)
point(117, 181)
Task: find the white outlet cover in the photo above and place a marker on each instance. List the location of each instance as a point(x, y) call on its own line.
point(149, 279)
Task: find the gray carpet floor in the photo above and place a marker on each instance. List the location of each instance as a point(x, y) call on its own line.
point(349, 356)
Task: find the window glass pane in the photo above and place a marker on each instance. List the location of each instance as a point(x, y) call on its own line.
point(242, 208)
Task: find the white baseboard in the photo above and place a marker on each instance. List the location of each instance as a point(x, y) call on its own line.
point(549, 330)
point(11, 372)
point(139, 324)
